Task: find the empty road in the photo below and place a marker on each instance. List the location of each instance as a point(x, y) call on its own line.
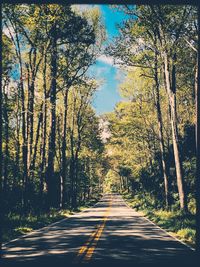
point(108, 234)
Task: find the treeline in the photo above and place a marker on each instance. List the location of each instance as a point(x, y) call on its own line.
point(51, 139)
point(152, 143)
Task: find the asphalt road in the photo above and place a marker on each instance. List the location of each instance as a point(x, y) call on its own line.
point(108, 234)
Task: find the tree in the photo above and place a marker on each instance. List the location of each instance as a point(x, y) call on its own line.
point(74, 65)
point(152, 29)
point(81, 99)
point(53, 47)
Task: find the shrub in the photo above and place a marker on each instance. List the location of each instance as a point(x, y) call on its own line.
point(187, 235)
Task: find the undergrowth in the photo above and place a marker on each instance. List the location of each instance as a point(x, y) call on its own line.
point(179, 224)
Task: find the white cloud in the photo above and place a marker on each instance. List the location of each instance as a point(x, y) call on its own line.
point(106, 59)
point(109, 60)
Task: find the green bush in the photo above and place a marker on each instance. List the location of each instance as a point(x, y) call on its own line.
point(187, 235)
point(192, 205)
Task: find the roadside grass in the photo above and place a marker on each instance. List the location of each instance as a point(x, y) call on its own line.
point(16, 225)
point(178, 224)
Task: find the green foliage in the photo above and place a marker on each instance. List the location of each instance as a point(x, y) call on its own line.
point(111, 182)
point(187, 235)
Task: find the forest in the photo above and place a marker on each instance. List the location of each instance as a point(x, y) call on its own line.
point(55, 158)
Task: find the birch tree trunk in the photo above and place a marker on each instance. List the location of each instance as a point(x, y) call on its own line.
point(52, 135)
point(171, 91)
point(160, 131)
point(43, 134)
point(64, 146)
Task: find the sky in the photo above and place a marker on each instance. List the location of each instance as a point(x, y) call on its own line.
point(107, 94)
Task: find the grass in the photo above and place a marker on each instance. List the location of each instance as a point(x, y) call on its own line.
point(16, 225)
point(178, 224)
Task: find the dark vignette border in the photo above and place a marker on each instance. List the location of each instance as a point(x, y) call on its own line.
point(118, 2)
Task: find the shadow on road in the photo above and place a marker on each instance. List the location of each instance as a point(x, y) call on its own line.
point(127, 240)
point(51, 261)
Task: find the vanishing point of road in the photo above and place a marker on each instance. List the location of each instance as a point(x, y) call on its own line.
point(108, 234)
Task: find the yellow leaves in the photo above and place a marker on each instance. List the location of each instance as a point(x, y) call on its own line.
point(54, 11)
point(36, 12)
point(137, 29)
point(92, 13)
point(135, 84)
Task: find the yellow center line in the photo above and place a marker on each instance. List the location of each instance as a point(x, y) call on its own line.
point(86, 251)
point(84, 247)
point(93, 245)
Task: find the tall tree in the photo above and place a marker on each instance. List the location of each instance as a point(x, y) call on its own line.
point(156, 22)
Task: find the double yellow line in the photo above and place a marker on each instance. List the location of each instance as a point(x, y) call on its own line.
point(86, 251)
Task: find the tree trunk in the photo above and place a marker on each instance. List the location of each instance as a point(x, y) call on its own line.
point(6, 154)
point(40, 118)
point(30, 117)
point(72, 174)
point(64, 146)
point(160, 132)
point(24, 137)
point(72, 189)
point(171, 90)
point(16, 169)
point(52, 136)
point(43, 135)
point(76, 159)
point(72, 160)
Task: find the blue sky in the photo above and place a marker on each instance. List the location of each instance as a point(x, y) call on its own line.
point(107, 95)
point(111, 17)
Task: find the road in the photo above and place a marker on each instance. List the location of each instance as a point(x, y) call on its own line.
point(110, 233)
